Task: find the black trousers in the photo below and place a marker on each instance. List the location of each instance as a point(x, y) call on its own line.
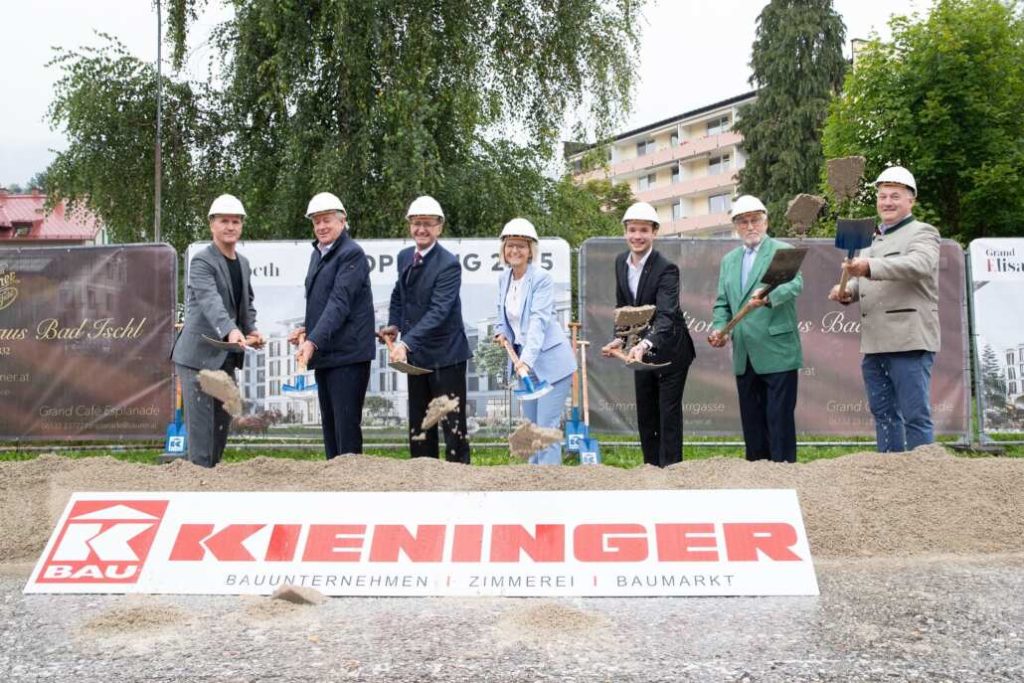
point(659, 415)
point(447, 381)
point(341, 391)
point(767, 407)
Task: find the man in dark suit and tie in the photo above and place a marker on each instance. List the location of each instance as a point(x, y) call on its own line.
point(337, 339)
point(426, 310)
point(219, 306)
point(644, 277)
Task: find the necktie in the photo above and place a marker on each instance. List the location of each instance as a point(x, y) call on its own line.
point(417, 259)
point(748, 263)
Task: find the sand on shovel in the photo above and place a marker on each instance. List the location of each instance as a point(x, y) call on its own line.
point(528, 438)
point(844, 176)
point(219, 385)
point(802, 211)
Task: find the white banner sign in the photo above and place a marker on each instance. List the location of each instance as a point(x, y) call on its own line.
point(582, 543)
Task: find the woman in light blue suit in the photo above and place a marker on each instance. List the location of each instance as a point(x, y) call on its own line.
point(526, 318)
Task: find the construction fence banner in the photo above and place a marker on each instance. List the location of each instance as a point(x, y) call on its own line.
point(997, 281)
point(85, 340)
point(269, 382)
point(466, 543)
point(831, 399)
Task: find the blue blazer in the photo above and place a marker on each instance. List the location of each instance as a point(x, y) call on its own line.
point(427, 309)
point(546, 349)
point(339, 305)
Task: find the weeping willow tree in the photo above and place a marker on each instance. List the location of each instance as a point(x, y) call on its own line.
point(375, 100)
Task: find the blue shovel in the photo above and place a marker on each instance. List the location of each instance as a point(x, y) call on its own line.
point(533, 387)
point(176, 441)
point(575, 430)
point(590, 450)
point(852, 234)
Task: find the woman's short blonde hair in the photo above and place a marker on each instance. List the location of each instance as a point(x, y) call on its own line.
point(533, 249)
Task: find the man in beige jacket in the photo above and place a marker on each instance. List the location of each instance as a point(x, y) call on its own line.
point(896, 280)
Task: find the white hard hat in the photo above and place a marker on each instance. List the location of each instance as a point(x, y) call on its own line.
point(746, 204)
point(424, 206)
point(519, 227)
point(325, 201)
point(226, 205)
point(898, 175)
point(642, 211)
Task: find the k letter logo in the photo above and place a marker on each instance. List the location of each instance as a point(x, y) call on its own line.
point(104, 541)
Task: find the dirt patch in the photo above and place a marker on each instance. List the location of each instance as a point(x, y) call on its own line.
point(142, 616)
point(528, 438)
point(219, 385)
point(547, 620)
point(845, 175)
point(862, 505)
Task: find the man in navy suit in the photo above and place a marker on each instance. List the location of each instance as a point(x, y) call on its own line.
point(337, 339)
point(426, 310)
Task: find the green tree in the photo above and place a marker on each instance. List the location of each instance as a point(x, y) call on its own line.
point(797, 68)
point(105, 100)
point(993, 383)
point(943, 99)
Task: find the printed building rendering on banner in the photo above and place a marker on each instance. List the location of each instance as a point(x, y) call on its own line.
point(831, 399)
point(85, 339)
point(514, 543)
point(997, 275)
point(274, 391)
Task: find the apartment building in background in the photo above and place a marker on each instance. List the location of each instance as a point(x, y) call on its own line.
point(684, 166)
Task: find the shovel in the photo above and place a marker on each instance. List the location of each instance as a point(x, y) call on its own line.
point(590, 450)
point(852, 234)
point(176, 441)
point(575, 430)
point(402, 366)
point(784, 267)
point(636, 364)
point(532, 389)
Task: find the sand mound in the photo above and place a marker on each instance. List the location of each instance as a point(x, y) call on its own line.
point(862, 505)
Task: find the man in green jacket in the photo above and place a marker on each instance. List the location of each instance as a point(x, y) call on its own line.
point(766, 351)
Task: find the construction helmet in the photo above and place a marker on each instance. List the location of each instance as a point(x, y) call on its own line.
point(642, 211)
point(746, 204)
point(325, 201)
point(519, 227)
point(898, 175)
point(226, 205)
point(424, 206)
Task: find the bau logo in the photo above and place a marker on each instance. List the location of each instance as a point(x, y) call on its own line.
point(104, 541)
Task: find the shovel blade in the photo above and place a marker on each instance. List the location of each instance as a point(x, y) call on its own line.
point(854, 233)
point(408, 369)
point(590, 452)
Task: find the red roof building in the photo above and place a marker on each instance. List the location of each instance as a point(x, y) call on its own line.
point(25, 222)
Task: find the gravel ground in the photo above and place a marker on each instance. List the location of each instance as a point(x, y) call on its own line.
point(939, 618)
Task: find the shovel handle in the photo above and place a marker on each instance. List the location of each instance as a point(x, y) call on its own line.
point(843, 279)
point(574, 328)
point(586, 398)
point(747, 308)
point(514, 357)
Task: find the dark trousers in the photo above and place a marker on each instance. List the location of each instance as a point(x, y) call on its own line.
point(206, 422)
point(341, 391)
point(447, 381)
point(767, 407)
point(659, 415)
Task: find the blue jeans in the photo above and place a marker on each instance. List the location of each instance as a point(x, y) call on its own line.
point(547, 412)
point(899, 387)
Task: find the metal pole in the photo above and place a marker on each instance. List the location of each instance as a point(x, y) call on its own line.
point(157, 171)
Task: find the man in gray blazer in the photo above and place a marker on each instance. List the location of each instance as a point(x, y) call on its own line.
point(896, 280)
point(219, 306)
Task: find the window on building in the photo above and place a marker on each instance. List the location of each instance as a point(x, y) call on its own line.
point(677, 211)
point(718, 125)
point(473, 383)
point(261, 360)
point(675, 173)
point(721, 164)
point(1010, 374)
point(1009, 358)
point(644, 148)
point(275, 387)
point(719, 203)
point(22, 230)
point(673, 140)
point(261, 377)
point(646, 182)
point(274, 349)
point(1011, 388)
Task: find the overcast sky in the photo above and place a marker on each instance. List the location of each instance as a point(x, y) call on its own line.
point(695, 52)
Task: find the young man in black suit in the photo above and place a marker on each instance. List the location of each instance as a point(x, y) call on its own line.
point(426, 310)
point(337, 339)
point(645, 277)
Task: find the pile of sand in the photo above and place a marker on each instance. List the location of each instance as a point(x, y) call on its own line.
point(861, 505)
